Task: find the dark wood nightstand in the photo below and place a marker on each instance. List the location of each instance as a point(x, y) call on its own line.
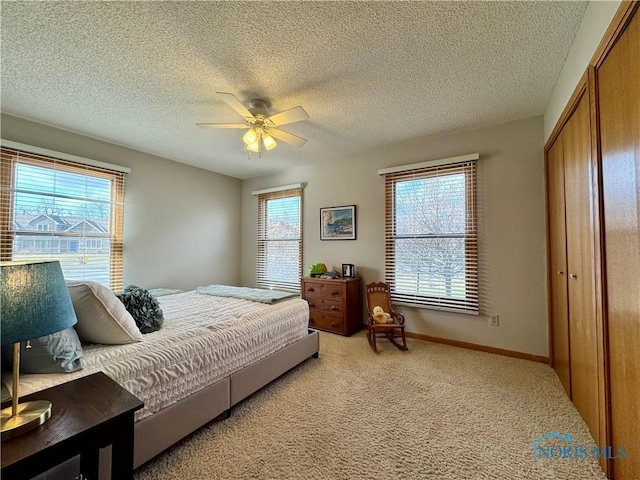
point(334, 305)
point(87, 414)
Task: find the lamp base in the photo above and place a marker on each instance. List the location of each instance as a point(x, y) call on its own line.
point(30, 415)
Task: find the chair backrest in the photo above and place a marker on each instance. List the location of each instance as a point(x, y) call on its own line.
point(378, 293)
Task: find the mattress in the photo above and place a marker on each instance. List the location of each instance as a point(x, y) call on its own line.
point(203, 339)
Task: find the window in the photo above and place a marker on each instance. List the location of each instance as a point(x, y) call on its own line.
point(431, 235)
point(54, 209)
point(279, 249)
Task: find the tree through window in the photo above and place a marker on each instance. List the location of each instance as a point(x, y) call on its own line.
point(431, 236)
point(279, 246)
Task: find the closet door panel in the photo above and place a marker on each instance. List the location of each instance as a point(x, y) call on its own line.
point(580, 265)
point(619, 104)
point(558, 264)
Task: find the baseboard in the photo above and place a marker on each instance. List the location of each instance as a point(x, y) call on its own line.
point(481, 348)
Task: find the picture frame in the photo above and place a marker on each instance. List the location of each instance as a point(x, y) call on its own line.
point(338, 223)
point(348, 270)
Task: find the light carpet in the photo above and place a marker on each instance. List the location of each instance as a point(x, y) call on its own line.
point(435, 411)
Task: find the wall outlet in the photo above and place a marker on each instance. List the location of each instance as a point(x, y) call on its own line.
point(494, 320)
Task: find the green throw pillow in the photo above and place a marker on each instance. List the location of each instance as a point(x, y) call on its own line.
point(143, 307)
point(59, 352)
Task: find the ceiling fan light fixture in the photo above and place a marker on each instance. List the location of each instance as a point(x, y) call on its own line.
point(262, 128)
point(250, 137)
point(269, 142)
point(254, 147)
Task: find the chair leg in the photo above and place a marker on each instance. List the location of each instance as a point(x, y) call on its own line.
point(392, 337)
point(371, 336)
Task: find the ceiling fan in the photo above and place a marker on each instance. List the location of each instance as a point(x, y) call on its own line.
point(262, 127)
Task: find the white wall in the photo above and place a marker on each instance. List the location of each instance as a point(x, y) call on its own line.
point(511, 228)
point(181, 223)
point(595, 22)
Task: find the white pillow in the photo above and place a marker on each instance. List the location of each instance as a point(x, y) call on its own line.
point(102, 318)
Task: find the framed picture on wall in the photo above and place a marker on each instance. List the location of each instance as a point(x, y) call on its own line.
point(338, 223)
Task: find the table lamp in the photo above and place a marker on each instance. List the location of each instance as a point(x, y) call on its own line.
point(34, 302)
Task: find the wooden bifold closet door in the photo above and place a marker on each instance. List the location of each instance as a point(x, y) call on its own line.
point(581, 264)
point(618, 86)
point(558, 297)
point(571, 262)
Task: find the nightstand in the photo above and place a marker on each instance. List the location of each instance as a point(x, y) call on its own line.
point(335, 305)
point(89, 413)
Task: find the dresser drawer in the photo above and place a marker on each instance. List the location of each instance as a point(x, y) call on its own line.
point(325, 322)
point(334, 291)
point(321, 306)
point(335, 306)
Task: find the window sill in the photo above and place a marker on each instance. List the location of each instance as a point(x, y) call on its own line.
point(431, 307)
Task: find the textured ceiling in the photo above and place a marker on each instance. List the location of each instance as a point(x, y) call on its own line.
point(141, 74)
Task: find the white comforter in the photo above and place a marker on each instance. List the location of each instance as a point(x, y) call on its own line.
point(203, 339)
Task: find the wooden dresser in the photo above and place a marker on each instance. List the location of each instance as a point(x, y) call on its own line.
point(334, 305)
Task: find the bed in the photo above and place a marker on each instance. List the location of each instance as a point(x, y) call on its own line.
point(211, 353)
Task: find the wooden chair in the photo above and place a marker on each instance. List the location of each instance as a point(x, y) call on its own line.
point(380, 294)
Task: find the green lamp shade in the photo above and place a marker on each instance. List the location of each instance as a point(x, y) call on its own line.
point(34, 301)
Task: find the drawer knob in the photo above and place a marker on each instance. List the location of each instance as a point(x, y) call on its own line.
point(310, 289)
point(333, 307)
point(573, 275)
point(560, 272)
point(335, 292)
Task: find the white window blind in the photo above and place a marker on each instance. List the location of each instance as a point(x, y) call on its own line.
point(54, 209)
point(431, 238)
point(279, 240)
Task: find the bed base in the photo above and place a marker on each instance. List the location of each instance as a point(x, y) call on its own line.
point(250, 379)
point(161, 430)
point(156, 433)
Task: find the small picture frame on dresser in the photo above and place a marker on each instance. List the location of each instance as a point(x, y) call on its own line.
point(348, 270)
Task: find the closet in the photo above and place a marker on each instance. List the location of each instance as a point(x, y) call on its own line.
point(592, 162)
point(571, 261)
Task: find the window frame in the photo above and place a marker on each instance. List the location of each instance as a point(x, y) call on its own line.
point(261, 241)
point(439, 168)
point(13, 154)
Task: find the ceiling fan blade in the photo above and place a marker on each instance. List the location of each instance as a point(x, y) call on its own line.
point(236, 104)
point(295, 114)
point(287, 137)
point(222, 125)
